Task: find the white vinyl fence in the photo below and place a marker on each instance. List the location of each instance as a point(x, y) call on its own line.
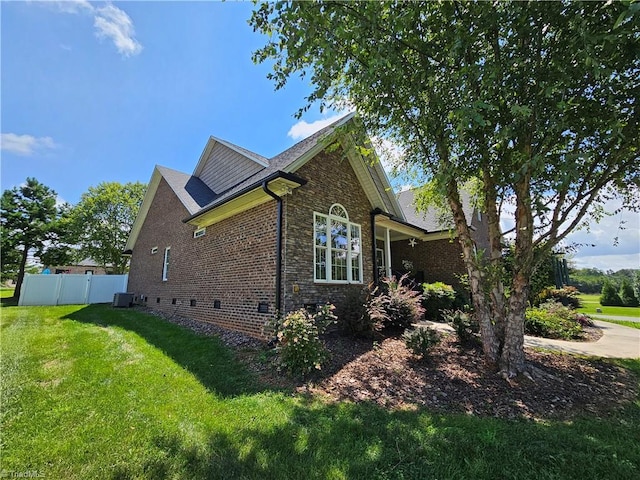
point(68, 289)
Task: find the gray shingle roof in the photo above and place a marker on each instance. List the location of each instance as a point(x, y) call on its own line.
point(278, 163)
point(432, 220)
point(191, 191)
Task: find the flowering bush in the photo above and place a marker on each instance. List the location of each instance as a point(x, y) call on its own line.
point(395, 303)
point(298, 335)
point(421, 340)
point(567, 296)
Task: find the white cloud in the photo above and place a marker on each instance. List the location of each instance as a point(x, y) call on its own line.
point(303, 129)
point(612, 243)
point(617, 234)
point(109, 21)
point(608, 262)
point(73, 6)
point(25, 145)
point(115, 24)
point(389, 153)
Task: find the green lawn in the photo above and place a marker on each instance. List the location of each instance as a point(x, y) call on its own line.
point(95, 392)
point(590, 302)
point(6, 292)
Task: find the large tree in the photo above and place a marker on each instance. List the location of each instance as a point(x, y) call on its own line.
point(30, 218)
point(102, 220)
point(536, 100)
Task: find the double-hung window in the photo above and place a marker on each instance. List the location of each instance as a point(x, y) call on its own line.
point(337, 247)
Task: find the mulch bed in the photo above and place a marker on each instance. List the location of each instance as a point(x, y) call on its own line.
point(452, 379)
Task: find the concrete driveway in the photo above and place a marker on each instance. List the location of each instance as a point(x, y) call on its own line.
point(615, 317)
point(616, 342)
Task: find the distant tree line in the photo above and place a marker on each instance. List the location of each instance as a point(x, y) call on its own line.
point(592, 280)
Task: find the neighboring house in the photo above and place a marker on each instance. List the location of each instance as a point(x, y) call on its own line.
point(245, 236)
point(87, 266)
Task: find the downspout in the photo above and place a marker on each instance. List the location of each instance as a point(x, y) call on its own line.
point(278, 245)
point(373, 247)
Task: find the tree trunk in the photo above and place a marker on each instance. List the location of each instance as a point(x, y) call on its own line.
point(23, 265)
point(482, 310)
point(512, 360)
point(497, 294)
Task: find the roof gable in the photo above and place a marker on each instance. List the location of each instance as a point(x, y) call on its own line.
point(223, 165)
point(226, 172)
point(191, 191)
point(368, 170)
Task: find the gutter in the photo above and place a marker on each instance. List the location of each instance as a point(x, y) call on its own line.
point(373, 247)
point(378, 211)
point(247, 189)
point(278, 245)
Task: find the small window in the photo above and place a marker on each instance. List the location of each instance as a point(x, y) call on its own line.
point(263, 307)
point(173, 301)
point(199, 232)
point(154, 250)
point(157, 299)
point(165, 266)
point(192, 302)
point(216, 304)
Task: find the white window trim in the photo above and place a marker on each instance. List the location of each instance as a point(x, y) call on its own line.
point(154, 250)
point(200, 232)
point(165, 264)
point(328, 270)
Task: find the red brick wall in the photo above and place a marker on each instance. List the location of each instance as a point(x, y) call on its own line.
point(440, 260)
point(234, 262)
point(330, 180)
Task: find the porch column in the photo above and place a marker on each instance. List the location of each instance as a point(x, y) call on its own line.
point(387, 251)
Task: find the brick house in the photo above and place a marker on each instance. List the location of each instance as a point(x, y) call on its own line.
point(245, 236)
point(87, 266)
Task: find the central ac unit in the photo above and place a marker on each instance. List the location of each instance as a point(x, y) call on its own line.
point(123, 300)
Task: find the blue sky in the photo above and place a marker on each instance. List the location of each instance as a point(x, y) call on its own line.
point(102, 91)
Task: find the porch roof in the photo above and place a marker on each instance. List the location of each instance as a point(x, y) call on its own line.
point(402, 230)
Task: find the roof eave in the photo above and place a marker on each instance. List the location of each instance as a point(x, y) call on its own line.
point(252, 195)
point(152, 187)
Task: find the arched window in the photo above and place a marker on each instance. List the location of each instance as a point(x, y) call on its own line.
point(337, 247)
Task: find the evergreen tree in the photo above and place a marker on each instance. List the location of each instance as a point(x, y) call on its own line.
point(30, 221)
point(627, 296)
point(609, 296)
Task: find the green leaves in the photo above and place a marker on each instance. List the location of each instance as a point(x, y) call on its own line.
point(537, 99)
point(29, 217)
point(102, 220)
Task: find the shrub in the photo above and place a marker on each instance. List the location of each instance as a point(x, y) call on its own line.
point(567, 296)
point(609, 296)
point(463, 324)
point(355, 318)
point(436, 297)
point(395, 304)
point(421, 340)
point(554, 320)
point(299, 346)
point(627, 296)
